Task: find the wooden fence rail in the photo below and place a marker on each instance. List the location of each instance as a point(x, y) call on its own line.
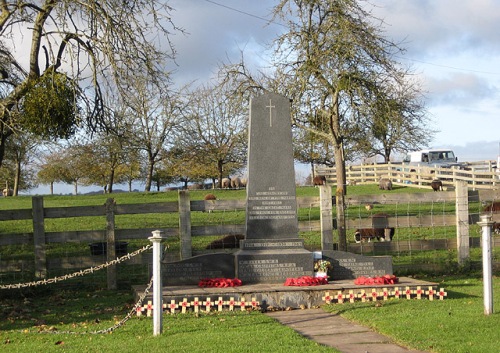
point(40, 238)
point(478, 175)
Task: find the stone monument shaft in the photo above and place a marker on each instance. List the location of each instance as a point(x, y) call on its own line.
point(271, 200)
point(272, 250)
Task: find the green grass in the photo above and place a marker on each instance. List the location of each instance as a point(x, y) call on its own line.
point(454, 325)
point(26, 322)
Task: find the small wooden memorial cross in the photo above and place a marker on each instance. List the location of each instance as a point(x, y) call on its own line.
point(220, 304)
point(208, 304)
point(172, 306)
point(352, 297)
point(196, 305)
point(242, 303)
point(327, 298)
point(408, 293)
point(396, 293)
point(231, 302)
point(184, 305)
point(430, 293)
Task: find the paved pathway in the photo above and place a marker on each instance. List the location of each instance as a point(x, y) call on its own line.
point(334, 331)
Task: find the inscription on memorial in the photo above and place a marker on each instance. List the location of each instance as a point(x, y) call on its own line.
point(271, 204)
point(192, 270)
point(268, 269)
point(348, 265)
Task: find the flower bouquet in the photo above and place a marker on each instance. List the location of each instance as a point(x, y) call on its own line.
point(321, 268)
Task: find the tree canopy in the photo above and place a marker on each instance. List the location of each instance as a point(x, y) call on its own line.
point(76, 50)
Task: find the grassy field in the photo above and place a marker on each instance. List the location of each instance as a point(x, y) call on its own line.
point(33, 321)
point(312, 239)
point(36, 320)
point(454, 325)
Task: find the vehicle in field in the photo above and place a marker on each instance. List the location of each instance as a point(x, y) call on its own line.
point(443, 158)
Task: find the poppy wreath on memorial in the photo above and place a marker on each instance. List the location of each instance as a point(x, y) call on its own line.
point(306, 281)
point(385, 279)
point(219, 282)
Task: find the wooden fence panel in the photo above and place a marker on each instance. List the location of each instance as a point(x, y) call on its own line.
point(16, 215)
point(74, 211)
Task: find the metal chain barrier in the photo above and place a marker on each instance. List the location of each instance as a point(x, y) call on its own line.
point(127, 317)
point(78, 273)
point(122, 322)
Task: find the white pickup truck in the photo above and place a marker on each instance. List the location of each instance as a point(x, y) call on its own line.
point(436, 158)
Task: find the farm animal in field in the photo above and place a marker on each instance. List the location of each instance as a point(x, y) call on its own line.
point(319, 180)
point(368, 206)
point(363, 234)
point(235, 183)
point(227, 242)
point(195, 187)
point(226, 183)
point(210, 206)
point(492, 207)
point(385, 184)
point(7, 191)
point(437, 185)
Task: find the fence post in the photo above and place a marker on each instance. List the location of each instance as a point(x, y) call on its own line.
point(486, 224)
point(462, 221)
point(110, 242)
point(325, 204)
point(39, 237)
point(185, 224)
point(157, 283)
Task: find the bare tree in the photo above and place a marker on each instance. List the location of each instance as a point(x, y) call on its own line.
point(79, 48)
point(214, 131)
point(333, 62)
point(397, 122)
point(153, 115)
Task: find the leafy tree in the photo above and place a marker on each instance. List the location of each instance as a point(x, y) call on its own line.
point(77, 49)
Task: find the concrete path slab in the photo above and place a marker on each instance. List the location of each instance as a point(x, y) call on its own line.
point(335, 331)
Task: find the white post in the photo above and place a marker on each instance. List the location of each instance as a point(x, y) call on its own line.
point(157, 285)
point(486, 224)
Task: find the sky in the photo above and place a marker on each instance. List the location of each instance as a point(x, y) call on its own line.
point(453, 48)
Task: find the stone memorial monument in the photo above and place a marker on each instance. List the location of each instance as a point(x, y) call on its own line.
point(272, 250)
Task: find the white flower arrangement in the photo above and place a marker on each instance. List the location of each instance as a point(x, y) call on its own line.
point(322, 266)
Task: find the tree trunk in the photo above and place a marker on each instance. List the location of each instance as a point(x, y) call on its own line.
point(52, 188)
point(339, 195)
point(149, 177)
point(75, 184)
point(220, 170)
point(111, 180)
point(17, 179)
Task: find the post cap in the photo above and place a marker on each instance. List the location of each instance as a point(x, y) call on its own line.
point(485, 220)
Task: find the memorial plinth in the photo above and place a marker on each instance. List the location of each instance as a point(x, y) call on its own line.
point(272, 250)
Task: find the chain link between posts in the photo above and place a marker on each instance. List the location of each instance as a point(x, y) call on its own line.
point(90, 270)
point(78, 273)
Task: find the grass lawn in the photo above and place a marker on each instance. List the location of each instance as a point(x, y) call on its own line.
point(31, 320)
point(454, 325)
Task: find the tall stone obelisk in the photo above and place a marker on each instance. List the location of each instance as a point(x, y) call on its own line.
point(272, 250)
